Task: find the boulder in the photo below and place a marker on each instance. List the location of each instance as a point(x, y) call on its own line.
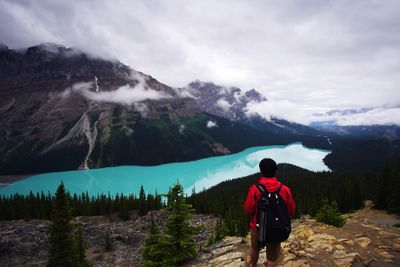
point(396, 244)
point(226, 258)
point(363, 241)
point(322, 242)
point(344, 259)
point(322, 237)
point(222, 250)
point(340, 247)
point(320, 246)
point(304, 233)
point(296, 263)
point(385, 254)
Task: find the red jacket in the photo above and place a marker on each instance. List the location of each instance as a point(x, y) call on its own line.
point(271, 184)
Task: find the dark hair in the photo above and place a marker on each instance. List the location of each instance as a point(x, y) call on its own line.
point(268, 167)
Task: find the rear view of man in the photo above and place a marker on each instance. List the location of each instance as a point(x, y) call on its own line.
point(268, 169)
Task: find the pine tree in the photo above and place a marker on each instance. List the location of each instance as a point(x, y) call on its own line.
point(330, 214)
point(124, 213)
point(142, 202)
point(81, 246)
point(219, 232)
point(394, 196)
point(149, 202)
point(181, 245)
point(356, 199)
point(62, 249)
point(154, 249)
point(157, 202)
point(177, 245)
point(108, 244)
point(381, 200)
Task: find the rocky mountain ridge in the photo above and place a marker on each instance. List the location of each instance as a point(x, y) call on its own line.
point(227, 102)
point(367, 239)
point(62, 109)
point(58, 105)
point(233, 103)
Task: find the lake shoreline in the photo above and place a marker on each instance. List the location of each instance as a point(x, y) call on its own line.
point(199, 174)
point(6, 180)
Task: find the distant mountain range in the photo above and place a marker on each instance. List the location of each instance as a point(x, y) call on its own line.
point(390, 132)
point(62, 109)
point(232, 103)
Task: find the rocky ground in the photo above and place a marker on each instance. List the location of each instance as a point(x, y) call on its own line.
point(363, 241)
point(367, 239)
point(25, 243)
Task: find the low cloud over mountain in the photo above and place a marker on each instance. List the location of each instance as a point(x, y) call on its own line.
point(304, 114)
point(123, 95)
point(306, 57)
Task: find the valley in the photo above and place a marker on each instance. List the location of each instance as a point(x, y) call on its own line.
point(86, 113)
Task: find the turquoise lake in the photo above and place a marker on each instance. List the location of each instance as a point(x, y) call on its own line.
point(200, 174)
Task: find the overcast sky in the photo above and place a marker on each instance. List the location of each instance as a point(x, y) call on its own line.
point(306, 57)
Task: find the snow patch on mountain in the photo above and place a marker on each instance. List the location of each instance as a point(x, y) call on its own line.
point(211, 124)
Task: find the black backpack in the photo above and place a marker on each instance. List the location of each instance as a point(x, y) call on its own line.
point(273, 221)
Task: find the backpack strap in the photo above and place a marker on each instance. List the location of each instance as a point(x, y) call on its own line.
point(261, 188)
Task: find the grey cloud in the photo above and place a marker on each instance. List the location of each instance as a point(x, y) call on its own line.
point(374, 116)
point(315, 55)
point(222, 103)
point(283, 109)
point(301, 113)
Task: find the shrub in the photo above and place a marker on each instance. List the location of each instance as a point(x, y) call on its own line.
point(330, 214)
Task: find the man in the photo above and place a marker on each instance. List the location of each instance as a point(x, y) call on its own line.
point(268, 169)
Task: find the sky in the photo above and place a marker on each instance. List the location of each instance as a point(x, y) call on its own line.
point(307, 57)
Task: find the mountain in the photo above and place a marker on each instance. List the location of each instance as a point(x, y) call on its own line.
point(227, 102)
point(390, 132)
point(362, 148)
point(232, 103)
point(62, 109)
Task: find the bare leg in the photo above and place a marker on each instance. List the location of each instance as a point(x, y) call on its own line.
point(273, 253)
point(271, 264)
point(254, 250)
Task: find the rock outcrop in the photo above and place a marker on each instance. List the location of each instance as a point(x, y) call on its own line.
point(361, 242)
